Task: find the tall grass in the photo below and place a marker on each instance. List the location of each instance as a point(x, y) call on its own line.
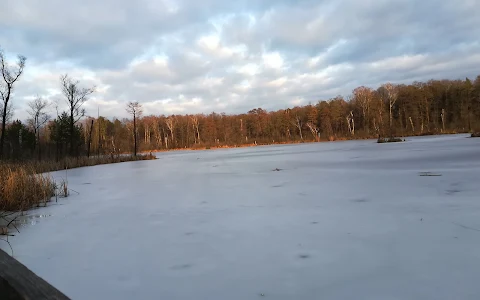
point(21, 188)
point(77, 162)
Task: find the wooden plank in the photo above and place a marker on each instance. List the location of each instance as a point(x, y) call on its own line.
point(18, 282)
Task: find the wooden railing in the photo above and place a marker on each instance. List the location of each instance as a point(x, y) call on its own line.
point(17, 282)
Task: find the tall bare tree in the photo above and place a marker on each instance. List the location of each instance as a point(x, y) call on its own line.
point(75, 97)
point(156, 132)
point(196, 132)
point(392, 95)
point(38, 118)
point(89, 141)
point(170, 122)
point(298, 123)
point(10, 75)
point(314, 129)
point(134, 109)
point(351, 123)
point(364, 96)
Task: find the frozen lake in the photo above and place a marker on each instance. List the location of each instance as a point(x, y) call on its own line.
point(342, 220)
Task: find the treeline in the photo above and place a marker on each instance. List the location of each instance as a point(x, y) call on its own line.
point(420, 108)
point(432, 107)
point(391, 110)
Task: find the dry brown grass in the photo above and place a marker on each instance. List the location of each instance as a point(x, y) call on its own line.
point(21, 188)
point(71, 163)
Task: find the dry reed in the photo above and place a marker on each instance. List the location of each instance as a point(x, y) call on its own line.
point(71, 163)
point(21, 188)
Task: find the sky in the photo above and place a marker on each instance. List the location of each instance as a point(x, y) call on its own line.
point(189, 56)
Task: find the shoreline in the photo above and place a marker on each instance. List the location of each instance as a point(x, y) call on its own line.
point(306, 141)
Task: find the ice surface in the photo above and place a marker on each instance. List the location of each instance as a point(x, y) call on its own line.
point(342, 220)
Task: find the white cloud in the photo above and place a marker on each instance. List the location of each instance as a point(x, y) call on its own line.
point(199, 56)
point(250, 69)
point(273, 60)
point(210, 42)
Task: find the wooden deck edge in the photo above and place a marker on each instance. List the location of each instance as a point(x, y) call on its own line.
point(18, 282)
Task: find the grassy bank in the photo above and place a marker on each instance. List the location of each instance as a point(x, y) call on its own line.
point(21, 188)
point(71, 163)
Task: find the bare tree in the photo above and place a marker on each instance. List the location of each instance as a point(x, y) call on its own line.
point(135, 110)
point(75, 97)
point(9, 77)
point(38, 118)
point(156, 131)
point(351, 123)
point(196, 132)
point(89, 141)
point(364, 96)
point(170, 122)
point(411, 123)
point(314, 129)
point(392, 95)
point(298, 123)
point(146, 132)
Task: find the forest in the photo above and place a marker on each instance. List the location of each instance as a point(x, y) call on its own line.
point(418, 108)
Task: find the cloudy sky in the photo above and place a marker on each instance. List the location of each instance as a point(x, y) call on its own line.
point(190, 56)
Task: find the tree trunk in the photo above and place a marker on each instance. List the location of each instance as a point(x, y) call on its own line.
point(4, 122)
point(89, 139)
point(99, 135)
point(39, 146)
point(443, 120)
point(391, 118)
point(411, 123)
point(427, 113)
point(194, 135)
point(72, 139)
point(135, 134)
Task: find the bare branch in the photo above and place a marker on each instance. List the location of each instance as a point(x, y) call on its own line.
point(10, 76)
point(134, 109)
point(10, 245)
point(37, 112)
point(75, 96)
